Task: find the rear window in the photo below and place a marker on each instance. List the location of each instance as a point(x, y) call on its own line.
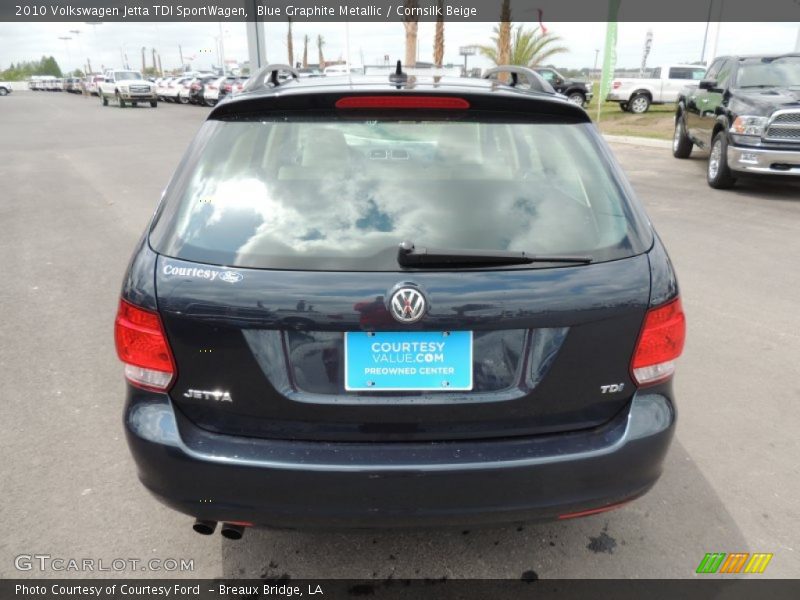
point(328, 194)
point(687, 73)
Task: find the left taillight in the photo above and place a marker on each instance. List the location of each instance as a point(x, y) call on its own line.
point(660, 343)
point(143, 347)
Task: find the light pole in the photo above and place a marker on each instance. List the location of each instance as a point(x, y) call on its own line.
point(596, 54)
point(66, 39)
point(94, 25)
point(77, 34)
point(466, 51)
point(222, 48)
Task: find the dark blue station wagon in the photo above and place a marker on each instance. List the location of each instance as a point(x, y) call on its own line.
point(372, 302)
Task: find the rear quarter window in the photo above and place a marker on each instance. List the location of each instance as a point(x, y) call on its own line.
point(323, 193)
point(686, 73)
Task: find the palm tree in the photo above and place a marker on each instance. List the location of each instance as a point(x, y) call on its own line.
point(438, 38)
point(504, 33)
point(289, 44)
point(529, 47)
point(320, 44)
point(305, 51)
point(411, 24)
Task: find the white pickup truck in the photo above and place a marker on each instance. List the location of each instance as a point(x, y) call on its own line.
point(126, 86)
point(5, 88)
point(661, 86)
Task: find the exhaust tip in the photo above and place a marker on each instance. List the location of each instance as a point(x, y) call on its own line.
point(204, 527)
point(232, 532)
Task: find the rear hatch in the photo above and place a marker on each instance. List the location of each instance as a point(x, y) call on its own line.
point(278, 271)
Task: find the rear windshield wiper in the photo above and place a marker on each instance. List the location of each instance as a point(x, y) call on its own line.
point(410, 256)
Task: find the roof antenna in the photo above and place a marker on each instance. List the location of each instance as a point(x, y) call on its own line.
point(398, 76)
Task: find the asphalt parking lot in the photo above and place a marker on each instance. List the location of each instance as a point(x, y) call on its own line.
point(78, 183)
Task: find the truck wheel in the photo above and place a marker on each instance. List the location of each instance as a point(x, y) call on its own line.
point(681, 143)
point(3, 91)
point(103, 98)
point(121, 101)
point(134, 104)
point(153, 103)
point(183, 99)
point(719, 175)
point(639, 104)
point(577, 98)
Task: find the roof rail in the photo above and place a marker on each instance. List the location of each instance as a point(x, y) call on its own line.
point(518, 74)
point(270, 75)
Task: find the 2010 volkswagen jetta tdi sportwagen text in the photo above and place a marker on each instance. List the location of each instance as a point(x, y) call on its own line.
point(372, 303)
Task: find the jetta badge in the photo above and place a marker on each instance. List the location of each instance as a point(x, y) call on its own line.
point(407, 305)
point(216, 395)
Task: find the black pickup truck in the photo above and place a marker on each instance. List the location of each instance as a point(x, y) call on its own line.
point(577, 92)
point(746, 112)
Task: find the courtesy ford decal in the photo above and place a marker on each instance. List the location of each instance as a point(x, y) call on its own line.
point(201, 273)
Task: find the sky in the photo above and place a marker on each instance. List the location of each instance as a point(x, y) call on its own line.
point(105, 44)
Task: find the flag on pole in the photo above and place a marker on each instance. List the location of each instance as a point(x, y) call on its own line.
point(609, 54)
point(541, 16)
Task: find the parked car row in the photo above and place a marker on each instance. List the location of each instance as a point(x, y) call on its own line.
point(198, 88)
point(75, 85)
point(46, 84)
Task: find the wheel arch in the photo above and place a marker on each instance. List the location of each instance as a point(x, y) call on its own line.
point(721, 124)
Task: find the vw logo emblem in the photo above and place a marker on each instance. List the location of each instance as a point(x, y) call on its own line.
point(407, 305)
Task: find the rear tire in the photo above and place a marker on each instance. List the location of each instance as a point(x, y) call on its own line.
point(120, 101)
point(153, 103)
point(681, 143)
point(3, 91)
point(639, 104)
point(103, 98)
point(719, 174)
point(577, 98)
point(183, 99)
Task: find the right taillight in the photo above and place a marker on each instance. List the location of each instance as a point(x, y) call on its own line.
point(660, 343)
point(616, 85)
point(143, 347)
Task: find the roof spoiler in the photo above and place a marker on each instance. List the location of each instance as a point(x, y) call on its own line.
point(521, 74)
point(270, 75)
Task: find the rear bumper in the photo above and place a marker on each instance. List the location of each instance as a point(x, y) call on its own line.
point(297, 484)
point(760, 160)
